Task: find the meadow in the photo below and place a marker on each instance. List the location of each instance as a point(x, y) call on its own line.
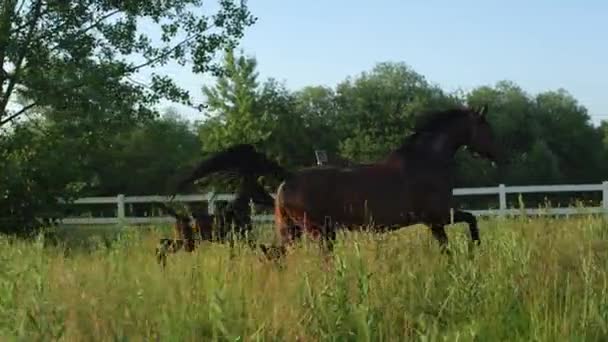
point(537, 279)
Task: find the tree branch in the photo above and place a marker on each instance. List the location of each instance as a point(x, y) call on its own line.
point(20, 7)
point(27, 23)
point(22, 52)
point(163, 55)
point(93, 25)
point(5, 30)
point(17, 114)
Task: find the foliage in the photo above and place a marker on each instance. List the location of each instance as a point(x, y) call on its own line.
point(540, 279)
point(378, 108)
point(546, 138)
point(243, 111)
point(142, 160)
point(32, 177)
point(134, 162)
point(67, 88)
point(90, 50)
point(234, 106)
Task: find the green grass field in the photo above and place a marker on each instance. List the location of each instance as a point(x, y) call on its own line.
point(531, 280)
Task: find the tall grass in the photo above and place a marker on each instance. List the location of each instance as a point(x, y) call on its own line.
point(530, 280)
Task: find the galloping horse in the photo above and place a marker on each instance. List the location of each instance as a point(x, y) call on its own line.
point(413, 184)
point(236, 213)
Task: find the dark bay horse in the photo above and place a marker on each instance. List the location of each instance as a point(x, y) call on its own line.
point(236, 217)
point(413, 184)
point(184, 235)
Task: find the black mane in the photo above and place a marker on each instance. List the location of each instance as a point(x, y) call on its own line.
point(430, 121)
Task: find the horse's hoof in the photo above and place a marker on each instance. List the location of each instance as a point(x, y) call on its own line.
point(446, 251)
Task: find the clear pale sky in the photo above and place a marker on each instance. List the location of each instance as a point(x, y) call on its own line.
point(539, 44)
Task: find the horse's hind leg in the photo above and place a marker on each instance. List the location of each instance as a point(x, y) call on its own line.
point(463, 216)
point(328, 237)
point(289, 233)
point(246, 234)
point(439, 234)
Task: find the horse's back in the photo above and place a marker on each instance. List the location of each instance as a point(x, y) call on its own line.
point(351, 194)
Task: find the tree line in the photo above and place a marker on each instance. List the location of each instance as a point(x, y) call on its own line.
point(85, 128)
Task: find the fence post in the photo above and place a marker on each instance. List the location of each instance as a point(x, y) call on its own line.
point(210, 202)
point(120, 208)
point(502, 200)
point(605, 197)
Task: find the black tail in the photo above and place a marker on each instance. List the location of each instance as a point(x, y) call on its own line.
point(242, 159)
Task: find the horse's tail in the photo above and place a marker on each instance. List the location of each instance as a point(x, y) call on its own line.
point(281, 223)
point(280, 216)
point(241, 158)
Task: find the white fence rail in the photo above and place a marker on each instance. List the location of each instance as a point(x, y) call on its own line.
point(501, 190)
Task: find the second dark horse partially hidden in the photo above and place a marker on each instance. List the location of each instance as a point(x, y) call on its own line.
point(413, 184)
point(235, 217)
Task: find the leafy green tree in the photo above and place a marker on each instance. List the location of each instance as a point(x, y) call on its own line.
point(147, 158)
point(37, 167)
point(318, 108)
point(69, 67)
point(511, 114)
point(567, 129)
point(377, 109)
point(233, 106)
point(546, 138)
point(243, 111)
point(88, 51)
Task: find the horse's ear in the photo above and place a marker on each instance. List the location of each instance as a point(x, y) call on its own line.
point(483, 111)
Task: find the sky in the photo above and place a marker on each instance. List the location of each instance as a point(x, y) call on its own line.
point(538, 44)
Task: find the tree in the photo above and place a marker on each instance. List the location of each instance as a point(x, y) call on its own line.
point(546, 138)
point(511, 114)
point(243, 111)
point(35, 171)
point(377, 109)
point(291, 141)
point(68, 67)
point(568, 132)
point(234, 113)
point(318, 108)
point(145, 159)
point(89, 50)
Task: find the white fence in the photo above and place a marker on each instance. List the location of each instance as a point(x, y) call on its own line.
point(501, 190)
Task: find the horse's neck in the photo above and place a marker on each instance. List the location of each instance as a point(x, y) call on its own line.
point(241, 202)
point(430, 147)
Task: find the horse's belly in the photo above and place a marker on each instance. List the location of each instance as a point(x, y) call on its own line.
point(369, 204)
point(361, 199)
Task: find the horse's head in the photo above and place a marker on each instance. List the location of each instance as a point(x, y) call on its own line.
point(482, 139)
point(259, 195)
point(259, 164)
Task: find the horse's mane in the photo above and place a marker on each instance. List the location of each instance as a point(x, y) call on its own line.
point(433, 120)
point(430, 121)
